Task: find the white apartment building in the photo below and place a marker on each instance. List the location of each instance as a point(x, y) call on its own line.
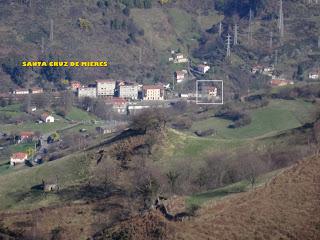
point(90, 92)
point(105, 87)
point(129, 91)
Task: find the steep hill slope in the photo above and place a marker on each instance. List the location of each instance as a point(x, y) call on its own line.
point(288, 207)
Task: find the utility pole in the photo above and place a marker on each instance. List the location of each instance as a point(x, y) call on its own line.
point(319, 42)
point(271, 40)
point(276, 58)
point(228, 45)
point(250, 27)
point(51, 30)
point(235, 40)
point(281, 21)
point(220, 29)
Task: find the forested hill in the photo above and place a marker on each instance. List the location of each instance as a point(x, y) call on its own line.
point(136, 36)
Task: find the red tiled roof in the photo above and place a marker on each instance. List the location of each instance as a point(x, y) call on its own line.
point(19, 155)
point(146, 87)
point(45, 115)
point(105, 81)
point(116, 101)
point(276, 82)
point(26, 134)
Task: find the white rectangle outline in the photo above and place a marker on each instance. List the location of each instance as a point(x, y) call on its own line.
point(208, 81)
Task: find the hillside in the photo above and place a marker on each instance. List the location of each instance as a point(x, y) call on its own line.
point(287, 207)
point(137, 39)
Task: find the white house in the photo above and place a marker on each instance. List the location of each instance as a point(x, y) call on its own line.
point(21, 91)
point(47, 118)
point(203, 68)
point(19, 157)
point(314, 75)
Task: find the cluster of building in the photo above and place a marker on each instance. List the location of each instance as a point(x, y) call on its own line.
point(25, 91)
point(177, 57)
point(269, 71)
point(117, 90)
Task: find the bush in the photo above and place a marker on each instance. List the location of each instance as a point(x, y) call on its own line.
point(243, 121)
point(205, 133)
point(61, 112)
point(182, 123)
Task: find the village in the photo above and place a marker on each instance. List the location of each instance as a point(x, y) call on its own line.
point(124, 98)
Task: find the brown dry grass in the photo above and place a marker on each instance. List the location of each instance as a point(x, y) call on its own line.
point(288, 207)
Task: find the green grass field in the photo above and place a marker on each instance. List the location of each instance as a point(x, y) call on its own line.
point(279, 115)
point(13, 110)
point(78, 115)
point(15, 188)
point(185, 147)
point(75, 114)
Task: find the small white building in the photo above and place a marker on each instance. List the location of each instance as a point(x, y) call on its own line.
point(47, 118)
point(21, 91)
point(90, 92)
point(19, 157)
point(314, 75)
point(203, 68)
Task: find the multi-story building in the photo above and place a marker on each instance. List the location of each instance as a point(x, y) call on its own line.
point(153, 92)
point(129, 91)
point(105, 87)
point(90, 92)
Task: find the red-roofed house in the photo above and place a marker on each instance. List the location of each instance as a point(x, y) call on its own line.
point(280, 82)
point(24, 136)
point(19, 157)
point(47, 118)
point(153, 92)
point(119, 105)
